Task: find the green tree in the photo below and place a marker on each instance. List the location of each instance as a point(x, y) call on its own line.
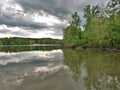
point(76, 22)
point(75, 19)
point(72, 33)
point(114, 32)
point(90, 11)
point(102, 28)
point(0, 42)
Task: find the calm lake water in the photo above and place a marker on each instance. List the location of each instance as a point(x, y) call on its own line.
point(45, 68)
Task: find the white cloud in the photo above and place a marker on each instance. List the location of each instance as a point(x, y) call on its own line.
point(35, 18)
point(45, 33)
point(10, 6)
point(6, 58)
point(6, 31)
point(46, 18)
point(17, 23)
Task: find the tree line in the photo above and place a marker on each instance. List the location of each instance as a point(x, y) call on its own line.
point(101, 30)
point(27, 41)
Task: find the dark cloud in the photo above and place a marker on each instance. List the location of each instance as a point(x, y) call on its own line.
point(60, 9)
point(4, 31)
point(12, 32)
point(18, 33)
point(14, 20)
point(51, 6)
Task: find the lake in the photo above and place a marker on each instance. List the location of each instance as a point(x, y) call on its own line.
point(48, 68)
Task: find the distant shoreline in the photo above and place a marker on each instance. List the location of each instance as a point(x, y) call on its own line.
point(65, 47)
point(33, 45)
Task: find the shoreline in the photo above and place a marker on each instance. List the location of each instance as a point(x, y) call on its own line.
point(92, 49)
point(65, 47)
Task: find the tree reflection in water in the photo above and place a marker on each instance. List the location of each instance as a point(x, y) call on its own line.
point(102, 68)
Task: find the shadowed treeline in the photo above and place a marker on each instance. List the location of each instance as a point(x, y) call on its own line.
point(27, 41)
point(26, 48)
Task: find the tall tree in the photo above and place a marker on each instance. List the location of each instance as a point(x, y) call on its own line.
point(75, 19)
point(90, 11)
point(0, 42)
point(72, 33)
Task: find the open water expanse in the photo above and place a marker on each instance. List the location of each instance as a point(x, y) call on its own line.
point(45, 68)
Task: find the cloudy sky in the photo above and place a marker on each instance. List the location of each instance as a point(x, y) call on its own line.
point(38, 18)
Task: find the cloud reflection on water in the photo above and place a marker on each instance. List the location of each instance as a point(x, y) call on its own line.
point(6, 58)
point(15, 67)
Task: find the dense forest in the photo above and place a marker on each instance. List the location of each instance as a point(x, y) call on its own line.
point(28, 41)
point(101, 30)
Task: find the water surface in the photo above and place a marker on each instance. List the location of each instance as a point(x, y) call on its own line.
point(38, 68)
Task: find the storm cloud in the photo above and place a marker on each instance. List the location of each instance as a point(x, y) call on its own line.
point(37, 17)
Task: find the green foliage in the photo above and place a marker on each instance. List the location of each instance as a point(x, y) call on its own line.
point(102, 28)
point(72, 34)
point(90, 11)
point(95, 33)
point(75, 19)
point(102, 32)
point(28, 41)
point(0, 42)
point(25, 48)
point(114, 31)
